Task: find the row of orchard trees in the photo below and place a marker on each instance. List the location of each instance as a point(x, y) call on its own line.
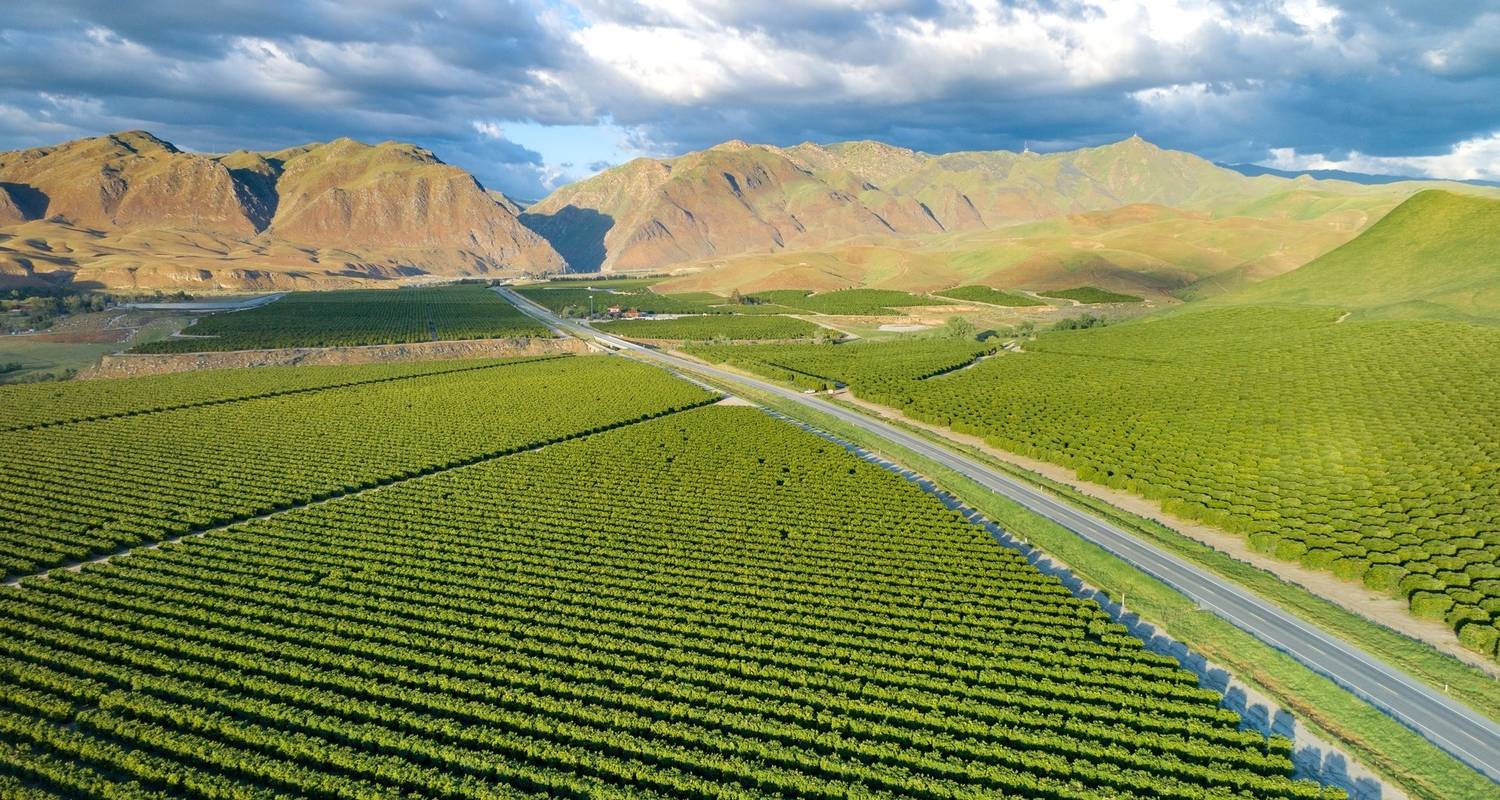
point(69, 491)
point(710, 603)
point(1367, 449)
point(356, 317)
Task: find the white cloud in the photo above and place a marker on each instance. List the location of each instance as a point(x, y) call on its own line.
point(1471, 159)
point(1228, 78)
point(488, 129)
point(693, 51)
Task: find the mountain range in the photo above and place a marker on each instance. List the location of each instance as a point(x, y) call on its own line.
point(130, 210)
point(1128, 216)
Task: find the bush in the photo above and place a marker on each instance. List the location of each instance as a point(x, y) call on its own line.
point(1413, 583)
point(1479, 637)
point(1288, 550)
point(1430, 605)
point(1461, 614)
point(1384, 577)
point(1264, 542)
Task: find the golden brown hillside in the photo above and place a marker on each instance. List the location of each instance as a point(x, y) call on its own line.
point(129, 210)
point(1129, 216)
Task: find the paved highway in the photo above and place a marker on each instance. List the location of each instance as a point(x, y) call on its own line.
point(1464, 733)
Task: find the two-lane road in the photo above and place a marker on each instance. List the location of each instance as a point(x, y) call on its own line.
point(1457, 729)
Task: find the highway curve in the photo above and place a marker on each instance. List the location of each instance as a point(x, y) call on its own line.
point(1455, 728)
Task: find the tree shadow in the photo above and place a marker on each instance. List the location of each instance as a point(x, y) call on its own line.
point(577, 234)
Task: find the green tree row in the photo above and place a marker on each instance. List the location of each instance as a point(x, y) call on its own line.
point(706, 605)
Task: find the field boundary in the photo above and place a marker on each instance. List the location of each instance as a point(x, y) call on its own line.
point(279, 393)
point(15, 581)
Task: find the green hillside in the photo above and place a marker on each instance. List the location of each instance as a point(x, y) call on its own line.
point(1435, 256)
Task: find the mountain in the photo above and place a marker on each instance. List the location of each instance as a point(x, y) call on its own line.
point(738, 198)
point(867, 213)
point(1435, 256)
point(130, 210)
point(732, 198)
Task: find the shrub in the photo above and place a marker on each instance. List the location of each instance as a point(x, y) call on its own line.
point(1430, 605)
point(1479, 637)
point(1384, 577)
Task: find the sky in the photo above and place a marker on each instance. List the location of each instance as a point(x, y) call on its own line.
point(531, 94)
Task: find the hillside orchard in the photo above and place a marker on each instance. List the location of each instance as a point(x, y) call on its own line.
point(847, 301)
point(990, 295)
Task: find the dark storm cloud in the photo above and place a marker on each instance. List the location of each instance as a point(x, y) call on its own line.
point(217, 75)
point(1391, 85)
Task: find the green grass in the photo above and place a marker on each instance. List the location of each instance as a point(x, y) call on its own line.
point(991, 295)
point(44, 360)
point(1436, 256)
point(356, 317)
point(1372, 737)
point(1366, 449)
point(1090, 295)
point(705, 328)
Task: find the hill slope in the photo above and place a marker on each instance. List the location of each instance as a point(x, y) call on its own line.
point(131, 210)
point(1129, 216)
point(1436, 256)
point(738, 198)
point(1143, 249)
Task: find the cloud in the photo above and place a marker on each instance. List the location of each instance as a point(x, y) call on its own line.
point(1228, 78)
point(591, 82)
point(1471, 159)
point(223, 75)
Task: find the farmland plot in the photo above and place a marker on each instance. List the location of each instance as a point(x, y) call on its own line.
point(711, 604)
